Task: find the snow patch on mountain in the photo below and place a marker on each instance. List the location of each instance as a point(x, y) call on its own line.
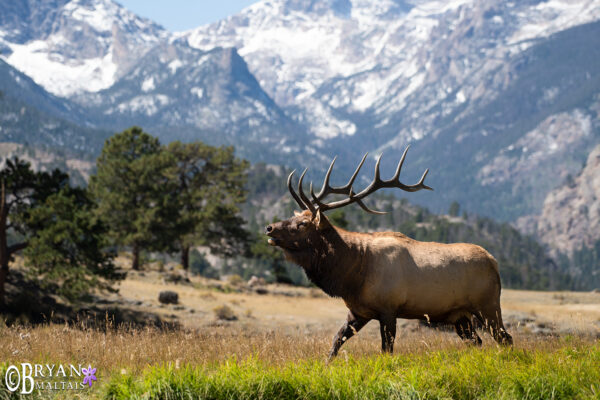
point(174, 65)
point(548, 17)
point(197, 91)
point(148, 84)
point(147, 105)
point(82, 45)
point(57, 75)
point(545, 141)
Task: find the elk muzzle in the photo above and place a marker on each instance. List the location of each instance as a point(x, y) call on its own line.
point(270, 231)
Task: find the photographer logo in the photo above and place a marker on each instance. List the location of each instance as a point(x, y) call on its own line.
point(26, 377)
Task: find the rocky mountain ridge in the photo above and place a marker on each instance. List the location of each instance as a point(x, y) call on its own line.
point(570, 218)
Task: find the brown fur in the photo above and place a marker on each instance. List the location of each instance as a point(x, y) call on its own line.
point(387, 275)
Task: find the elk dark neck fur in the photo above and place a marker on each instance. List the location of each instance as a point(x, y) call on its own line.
point(333, 262)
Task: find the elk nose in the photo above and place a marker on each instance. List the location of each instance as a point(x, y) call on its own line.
point(269, 228)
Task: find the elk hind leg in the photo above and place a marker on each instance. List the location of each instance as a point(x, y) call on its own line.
point(491, 318)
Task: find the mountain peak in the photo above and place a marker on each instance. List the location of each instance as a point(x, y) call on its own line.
point(74, 46)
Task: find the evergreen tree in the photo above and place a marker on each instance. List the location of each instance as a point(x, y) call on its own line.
point(67, 249)
point(208, 187)
point(338, 218)
point(454, 209)
point(52, 222)
point(21, 189)
point(131, 188)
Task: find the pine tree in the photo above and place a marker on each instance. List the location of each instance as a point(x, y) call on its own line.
point(21, 189)
point(454, 209)
point(53, 224)
point(131, 188)
point(208, 187)
point(68, 247)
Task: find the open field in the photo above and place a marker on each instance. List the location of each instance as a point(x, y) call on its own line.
point(277, 345)
point(286, 308)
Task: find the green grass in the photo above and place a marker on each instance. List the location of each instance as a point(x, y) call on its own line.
point(571, 371)
point(536, 368)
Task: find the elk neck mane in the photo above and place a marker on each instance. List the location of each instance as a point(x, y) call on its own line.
point(334, 261)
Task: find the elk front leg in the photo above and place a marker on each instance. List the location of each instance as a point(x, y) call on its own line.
point(387, 328)
point(353, 324)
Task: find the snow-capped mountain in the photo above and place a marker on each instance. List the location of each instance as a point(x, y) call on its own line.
point(497, 97)
point(29, 114)
point(123, 70)
point(336, 63)
point(181, 93)
point(74, 46)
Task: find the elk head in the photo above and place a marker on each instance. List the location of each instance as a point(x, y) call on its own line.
point(304, 230)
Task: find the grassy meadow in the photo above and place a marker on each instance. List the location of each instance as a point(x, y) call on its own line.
point(233, 364)
point(276, 346)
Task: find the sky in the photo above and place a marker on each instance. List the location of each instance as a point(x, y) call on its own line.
point(181, 15)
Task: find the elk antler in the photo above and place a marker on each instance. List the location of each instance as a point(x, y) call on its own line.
point(357, 198)
point(294, 195)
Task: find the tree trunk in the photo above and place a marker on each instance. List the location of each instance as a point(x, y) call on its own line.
point(3, 275)
point(135, 264)
point(185, 258)
point(6, 251)
point(4, 256)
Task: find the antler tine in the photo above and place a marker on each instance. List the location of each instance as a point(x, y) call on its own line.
point(305, 199)
point(409, 188)
point(325, 186)
point(355, 174)
point(363, 205)
point(316, 199)
point(294, 195)
point(327, 189)
point(367, 209)
point(419, 185)
point(377, 173)
point(397, 174)
point(376, 184)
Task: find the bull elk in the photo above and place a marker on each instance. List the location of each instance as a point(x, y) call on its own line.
point(387, 275)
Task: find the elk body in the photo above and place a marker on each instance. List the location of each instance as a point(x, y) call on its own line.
point(387, 275)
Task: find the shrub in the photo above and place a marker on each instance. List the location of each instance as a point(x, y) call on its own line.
point(224, 312)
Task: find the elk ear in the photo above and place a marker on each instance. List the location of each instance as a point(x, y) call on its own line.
point(321, 221)
point(297, 214)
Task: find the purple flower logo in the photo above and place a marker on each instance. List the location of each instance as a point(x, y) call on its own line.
point(89, 375)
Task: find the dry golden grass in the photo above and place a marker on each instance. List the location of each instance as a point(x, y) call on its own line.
point(262, 312)
point(577, 312)
point(135, 349)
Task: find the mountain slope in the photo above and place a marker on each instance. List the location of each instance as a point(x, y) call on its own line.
point(113, 69)
point(503, 157)
point(182, 93)
point(29, 114)
point(73, 46)
point(348, 61)
point(569, 224)
point(570, 218)
point(470, 82)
